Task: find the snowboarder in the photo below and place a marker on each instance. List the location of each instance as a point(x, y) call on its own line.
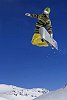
point(43, 21)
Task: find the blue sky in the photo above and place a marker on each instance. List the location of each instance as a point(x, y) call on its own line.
point(23, 64)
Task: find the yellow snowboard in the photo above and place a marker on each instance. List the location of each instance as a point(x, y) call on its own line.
point(36, 40)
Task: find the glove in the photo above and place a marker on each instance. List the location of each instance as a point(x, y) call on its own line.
point(51, 35)
point(27, 14)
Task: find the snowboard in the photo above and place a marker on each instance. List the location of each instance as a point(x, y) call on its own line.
point(46, 37)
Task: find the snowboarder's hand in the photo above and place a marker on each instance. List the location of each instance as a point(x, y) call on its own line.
point(27, 14)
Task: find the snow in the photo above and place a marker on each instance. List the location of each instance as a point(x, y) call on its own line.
point(60, 94)
point(10, 92)
point(3, 98)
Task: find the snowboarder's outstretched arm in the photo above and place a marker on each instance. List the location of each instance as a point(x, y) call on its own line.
point(32, 15)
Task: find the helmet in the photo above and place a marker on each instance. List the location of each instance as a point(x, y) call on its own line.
point(47, 10)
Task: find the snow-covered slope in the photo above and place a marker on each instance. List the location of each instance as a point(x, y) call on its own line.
point(2, 98)
point(60, 94)
point(9, 92)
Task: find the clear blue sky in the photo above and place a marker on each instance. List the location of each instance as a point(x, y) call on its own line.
point(23, 64)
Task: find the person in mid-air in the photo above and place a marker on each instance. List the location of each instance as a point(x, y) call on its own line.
point(43, 28)
point(43, 21)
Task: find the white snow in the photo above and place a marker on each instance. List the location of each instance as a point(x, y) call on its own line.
point(2, 98)
point(10, 92)
point(60, 94)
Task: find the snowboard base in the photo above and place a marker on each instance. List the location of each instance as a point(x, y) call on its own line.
point(46, 36)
